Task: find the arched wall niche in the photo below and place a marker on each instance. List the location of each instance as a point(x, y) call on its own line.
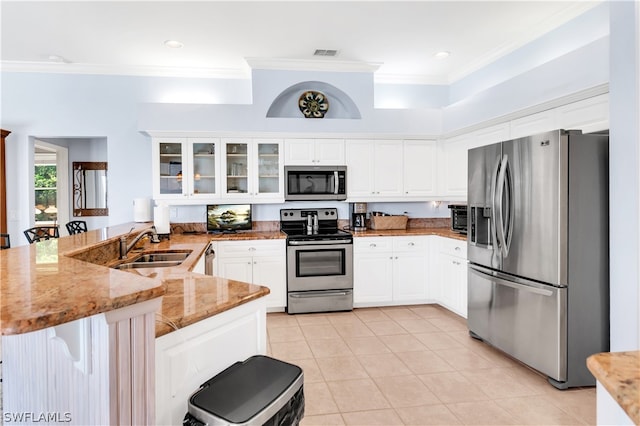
point(340, 104)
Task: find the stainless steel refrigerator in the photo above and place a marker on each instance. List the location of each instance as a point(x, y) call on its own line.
point(538, 250)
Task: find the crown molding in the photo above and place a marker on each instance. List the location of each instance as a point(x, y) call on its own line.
point(100, 69)
point(327, 65)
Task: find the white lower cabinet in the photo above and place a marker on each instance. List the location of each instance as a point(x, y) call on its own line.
point(191, 355)
point(261, 262)
point(450, 286)
point(390, 270)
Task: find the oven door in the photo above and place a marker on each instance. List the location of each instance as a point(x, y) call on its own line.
point(319, 265)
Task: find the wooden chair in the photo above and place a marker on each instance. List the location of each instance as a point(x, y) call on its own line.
point(41, 233)
point(5, 241)
point(76, 227)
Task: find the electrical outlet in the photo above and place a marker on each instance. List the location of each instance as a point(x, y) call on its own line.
point(173, 212)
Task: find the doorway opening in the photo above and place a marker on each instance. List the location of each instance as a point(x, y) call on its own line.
point(51, 177)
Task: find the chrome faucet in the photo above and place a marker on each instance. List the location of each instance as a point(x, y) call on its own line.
point(124, 248)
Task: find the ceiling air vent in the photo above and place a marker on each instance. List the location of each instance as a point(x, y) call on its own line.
point(325, 52)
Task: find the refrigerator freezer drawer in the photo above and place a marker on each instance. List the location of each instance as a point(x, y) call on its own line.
point(524, 319)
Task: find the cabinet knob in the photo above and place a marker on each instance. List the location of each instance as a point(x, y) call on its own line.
point(411, 244)
point(457, 248)
point(391, 257)
point(372, 245)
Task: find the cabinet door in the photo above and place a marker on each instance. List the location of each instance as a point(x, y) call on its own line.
point(410, 277)
point(236, 268)
point(270, 271)
point(588, 115)
point(237, 154)
point(532, 124)
point(453, 283)
point(329, 152)
point(420, 168)
point(387, 164)
point(169, 168)
point(299, 152)
point(267, 169)
point(410, 269)
point(453, 167)
point(202, 180)
point(360, 169)
point(372, 278)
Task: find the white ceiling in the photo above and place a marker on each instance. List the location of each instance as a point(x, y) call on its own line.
point(397, 38)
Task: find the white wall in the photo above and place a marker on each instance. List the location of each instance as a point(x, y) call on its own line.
point(624, 175)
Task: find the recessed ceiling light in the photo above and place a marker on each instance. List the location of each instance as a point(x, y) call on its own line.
point(442, 54)
point(173, 44)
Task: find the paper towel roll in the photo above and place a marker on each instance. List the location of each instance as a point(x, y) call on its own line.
point(142, 210)
point(161, 219)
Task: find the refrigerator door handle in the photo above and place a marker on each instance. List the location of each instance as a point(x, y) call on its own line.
point(513, 282)
point(504, 235)
point(494, 183)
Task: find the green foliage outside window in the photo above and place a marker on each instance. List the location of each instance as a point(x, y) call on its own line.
point(45, 180)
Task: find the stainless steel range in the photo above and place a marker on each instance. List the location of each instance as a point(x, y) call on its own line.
point(319, 261)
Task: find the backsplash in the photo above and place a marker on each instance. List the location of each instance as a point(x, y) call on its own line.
point(274, 225)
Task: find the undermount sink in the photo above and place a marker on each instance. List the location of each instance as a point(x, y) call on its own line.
point(162, 257)
point(155, 260)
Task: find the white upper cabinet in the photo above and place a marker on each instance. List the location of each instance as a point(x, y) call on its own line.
point(420, 168)
point(186, 169)
point(588, 115)
point(253, 170)
point(373, 169)
point(391, 169)
point(314, 152)
point(453, 161)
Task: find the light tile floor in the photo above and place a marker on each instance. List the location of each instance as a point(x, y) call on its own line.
point(414, 365)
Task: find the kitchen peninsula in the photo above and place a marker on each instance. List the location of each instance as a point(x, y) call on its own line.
point(80, 339)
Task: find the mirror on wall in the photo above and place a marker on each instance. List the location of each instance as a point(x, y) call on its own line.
point(90, 189)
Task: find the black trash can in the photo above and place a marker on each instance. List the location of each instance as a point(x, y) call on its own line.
point(258, 391)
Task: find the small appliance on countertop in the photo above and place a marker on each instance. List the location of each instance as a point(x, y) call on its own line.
point(358, 216)
point(459, 218)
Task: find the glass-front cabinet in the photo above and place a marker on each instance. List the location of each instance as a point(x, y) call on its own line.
point(254, 169)
point(206, 170)
point(185, 168)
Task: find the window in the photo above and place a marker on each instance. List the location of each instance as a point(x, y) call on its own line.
point(45, 180)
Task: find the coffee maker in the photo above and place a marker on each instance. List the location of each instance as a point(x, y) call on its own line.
point(358, 216)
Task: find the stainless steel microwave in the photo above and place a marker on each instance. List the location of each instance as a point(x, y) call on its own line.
point(315, 183)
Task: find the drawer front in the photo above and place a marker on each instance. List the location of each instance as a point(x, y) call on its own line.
point(409, 244)
point(453, 247)
point(372, 245)
point(251, 248)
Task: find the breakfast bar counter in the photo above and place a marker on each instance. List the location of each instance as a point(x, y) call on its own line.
point(74, 325)
point(64, 279)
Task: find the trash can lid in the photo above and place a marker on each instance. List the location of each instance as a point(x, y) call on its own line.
point(246, 388)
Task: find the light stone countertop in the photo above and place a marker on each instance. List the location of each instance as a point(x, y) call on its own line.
point(619, 373)
point(65, 279)
point(61, 280)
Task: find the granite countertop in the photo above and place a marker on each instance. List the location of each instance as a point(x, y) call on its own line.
point(619, 373)
point(68, 278)
point(61, 280)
